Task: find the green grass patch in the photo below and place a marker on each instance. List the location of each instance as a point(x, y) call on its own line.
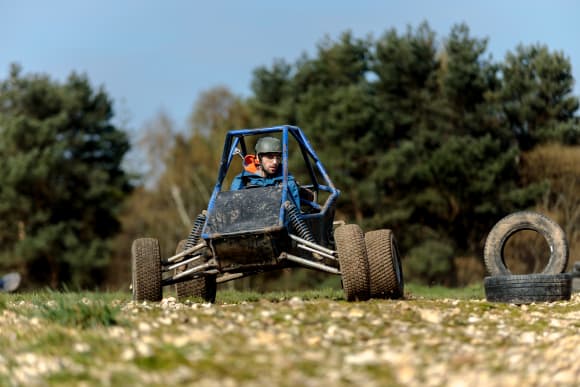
point(438, 292)
point(232, 296)
point(236, 296)
point(39, 297)
point(271, 338)
point(165, 357)
point(52, 341)
point(77, 310)
point(334, 294)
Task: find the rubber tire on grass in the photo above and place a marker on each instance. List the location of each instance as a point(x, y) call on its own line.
point(385, 271)
point(519, 221)
point(354, 264)
point(204, 288)
point(146, 270)
point(528, 288)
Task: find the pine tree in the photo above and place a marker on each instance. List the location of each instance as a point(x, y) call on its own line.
point(423, 138)
point(536, 94)
point(61, 177)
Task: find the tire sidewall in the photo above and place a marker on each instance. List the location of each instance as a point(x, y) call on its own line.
point(525, 220)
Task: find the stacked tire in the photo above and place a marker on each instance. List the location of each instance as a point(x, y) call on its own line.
point(576, 277)
point(552, 284)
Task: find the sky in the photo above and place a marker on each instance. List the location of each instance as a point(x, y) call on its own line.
point(158, 56)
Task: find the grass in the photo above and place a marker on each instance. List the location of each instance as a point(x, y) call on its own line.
point(436, 292)
point(235, 296)
point(275, 338)
point(229, 296)
point(411, 290)
point(82, 313)
point(82, 310)
point(75, 307)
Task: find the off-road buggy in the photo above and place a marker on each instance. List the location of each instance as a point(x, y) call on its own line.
point(250, 231)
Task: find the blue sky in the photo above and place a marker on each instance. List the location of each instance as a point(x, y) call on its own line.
point(160, 55)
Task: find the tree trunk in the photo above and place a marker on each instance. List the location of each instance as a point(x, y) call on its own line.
point(53, 272)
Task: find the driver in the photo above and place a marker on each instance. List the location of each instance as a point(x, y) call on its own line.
point(267, 171)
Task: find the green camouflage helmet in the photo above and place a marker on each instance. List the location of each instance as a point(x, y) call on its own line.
point(268, 145)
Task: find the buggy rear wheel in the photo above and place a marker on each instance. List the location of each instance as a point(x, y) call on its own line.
point(146, 268)
point(385, 272)
point(204, 287)
point(354, 264)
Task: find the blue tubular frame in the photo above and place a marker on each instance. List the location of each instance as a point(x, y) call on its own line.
point(233, 139)
point(334, 192)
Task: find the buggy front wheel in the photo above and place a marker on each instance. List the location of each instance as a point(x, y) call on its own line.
point(146, 270)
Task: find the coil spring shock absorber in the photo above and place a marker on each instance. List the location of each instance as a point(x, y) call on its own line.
point(195, 232)
point(298, 224)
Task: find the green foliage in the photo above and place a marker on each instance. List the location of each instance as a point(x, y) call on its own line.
point(423, 135)
point(556, 166)
point(273, 100)
point(175, 192)
point(535, 93)
point(425, 139)
point(429, 262)
point(61, 176)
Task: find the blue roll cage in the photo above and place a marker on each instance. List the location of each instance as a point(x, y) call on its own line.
point(235, 138)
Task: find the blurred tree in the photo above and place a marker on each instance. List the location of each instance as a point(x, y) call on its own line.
point(413, 117)
point(183, 173)
point(416, 137)
point(536, 95)
point(422, 138)
point(334, 99)
point(274, 97)
point(151, 209)
point(556, 165)
point(216, 112)
point(155, 141)
point(455, 172)
point(406, 85)
point(61, 177)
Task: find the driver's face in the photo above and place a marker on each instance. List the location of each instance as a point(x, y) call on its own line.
point(271, 162)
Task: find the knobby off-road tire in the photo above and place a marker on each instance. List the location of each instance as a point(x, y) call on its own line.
point(385, 272)
point(528, 288)
point(354, 265)
point(519, 221)
point(146, 269)
point(204, 288)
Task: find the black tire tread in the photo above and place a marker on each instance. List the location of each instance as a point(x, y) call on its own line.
point(204, 288)
point(528, 288)
point(353, 261)
point(383, 256)
point(146, 270)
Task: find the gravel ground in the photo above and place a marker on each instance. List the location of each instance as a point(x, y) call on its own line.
point(296, 342)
